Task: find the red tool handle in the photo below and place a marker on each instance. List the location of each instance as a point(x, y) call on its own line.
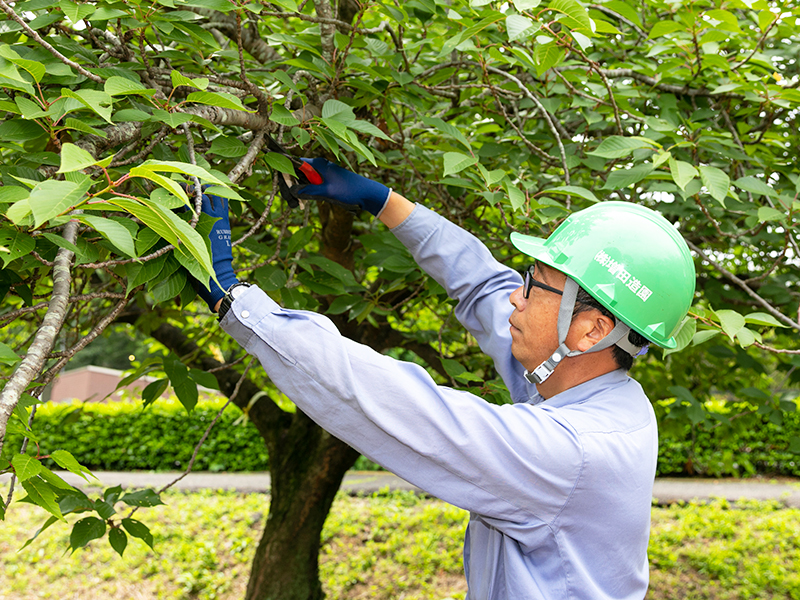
point(311, 174)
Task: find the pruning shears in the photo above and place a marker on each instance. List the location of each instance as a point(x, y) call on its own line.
point(287, 184)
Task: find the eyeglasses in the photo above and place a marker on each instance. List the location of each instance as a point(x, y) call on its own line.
point(530, 282)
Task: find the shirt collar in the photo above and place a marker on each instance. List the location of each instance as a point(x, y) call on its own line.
point(584, 391)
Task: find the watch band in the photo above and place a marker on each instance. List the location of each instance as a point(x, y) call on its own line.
point(233, 292)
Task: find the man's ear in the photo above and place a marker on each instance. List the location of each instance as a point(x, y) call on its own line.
point(593, 327)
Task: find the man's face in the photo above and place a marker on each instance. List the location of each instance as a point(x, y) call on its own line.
point(534, 331)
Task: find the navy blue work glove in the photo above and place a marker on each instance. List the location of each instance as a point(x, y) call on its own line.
point(221, 251)
point(345, 187)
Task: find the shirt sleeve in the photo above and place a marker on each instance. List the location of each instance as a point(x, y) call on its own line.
point(464, 267)
point(510, 462)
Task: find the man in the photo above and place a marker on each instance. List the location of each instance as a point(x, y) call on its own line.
point(558, 484)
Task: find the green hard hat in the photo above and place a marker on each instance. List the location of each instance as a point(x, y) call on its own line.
point(629, 258)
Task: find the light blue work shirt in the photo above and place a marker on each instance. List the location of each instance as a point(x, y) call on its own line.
point(559, 491)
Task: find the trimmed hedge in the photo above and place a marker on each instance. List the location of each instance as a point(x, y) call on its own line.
point(763, 449)
point(121, 436)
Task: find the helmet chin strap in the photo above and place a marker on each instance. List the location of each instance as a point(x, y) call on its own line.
point(541, 373)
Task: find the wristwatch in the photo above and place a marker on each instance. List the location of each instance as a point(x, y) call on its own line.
point(236, 290)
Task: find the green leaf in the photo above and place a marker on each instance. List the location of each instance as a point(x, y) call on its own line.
point(41, 494)
point(145, 498)
point(86, 530)
point(515, 195)
point(716, 181)
point(118, 540)
point(17, 243)
point(664, 28)
point(122, 86)
point(174, 120)
point(726, 18)
point(618, 146)
point(282, 116)
point(746, 337)
point(760, 318)
point(54, 480)
point(447, 128)
point(78, 125)
point(184, 386)
point(576, 16)
point(153, 391)
point(684, 335)
point(170, 287)
point(36, 69)
point(74, 158)
point(26, 466)
point(76, 12)
point(95, 100)
point(61, 242)
point(169, 226)
point(19, 212)
point(518, 27)
point(7, 354)
point(455, 162)
point(51, 198)
point(13, 193)
point(369, 129)
point(731, 322)
point(573, 190)
point(457, 371)
point(167, 166)
point(622, 178)
point(199, 83)
point(28, 108)
point(114, 232)
point(526, 4)
point(138, 530)
point(270, 278)
point(704, 336)
point(547, 56)
point(682, 172)
point(65, 460)
point(220, 99)
point(338, 111)
point(754, 186)
point(228, 147)
point(766, 213)
point(280, 163)
point(204, 379)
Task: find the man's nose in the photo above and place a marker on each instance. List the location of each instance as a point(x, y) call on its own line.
point(517, 299)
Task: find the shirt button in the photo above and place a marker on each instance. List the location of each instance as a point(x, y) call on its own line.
point(245, 314)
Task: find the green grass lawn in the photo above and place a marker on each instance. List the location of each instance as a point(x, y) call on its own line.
point(386, 547)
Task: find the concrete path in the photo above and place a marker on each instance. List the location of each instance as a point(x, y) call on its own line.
point(666, 490)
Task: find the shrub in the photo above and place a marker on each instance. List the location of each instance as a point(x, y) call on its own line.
point(763, 447)
point(122, 436)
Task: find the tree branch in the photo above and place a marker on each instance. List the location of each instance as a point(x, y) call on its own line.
point(31, 365)
point(327, 29)
point(10, 12)
point(749, 291)
point(524, 89)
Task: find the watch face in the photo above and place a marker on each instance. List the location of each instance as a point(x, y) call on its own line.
point(237, 290)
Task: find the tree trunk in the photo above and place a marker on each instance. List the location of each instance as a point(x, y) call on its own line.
point(307, 471)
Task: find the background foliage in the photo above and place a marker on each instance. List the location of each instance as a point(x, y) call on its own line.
point(122, 436)
point(500, 115)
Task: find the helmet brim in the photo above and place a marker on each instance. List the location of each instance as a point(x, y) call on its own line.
point(527, 244)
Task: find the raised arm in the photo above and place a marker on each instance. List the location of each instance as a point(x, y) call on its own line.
point(456, 259)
